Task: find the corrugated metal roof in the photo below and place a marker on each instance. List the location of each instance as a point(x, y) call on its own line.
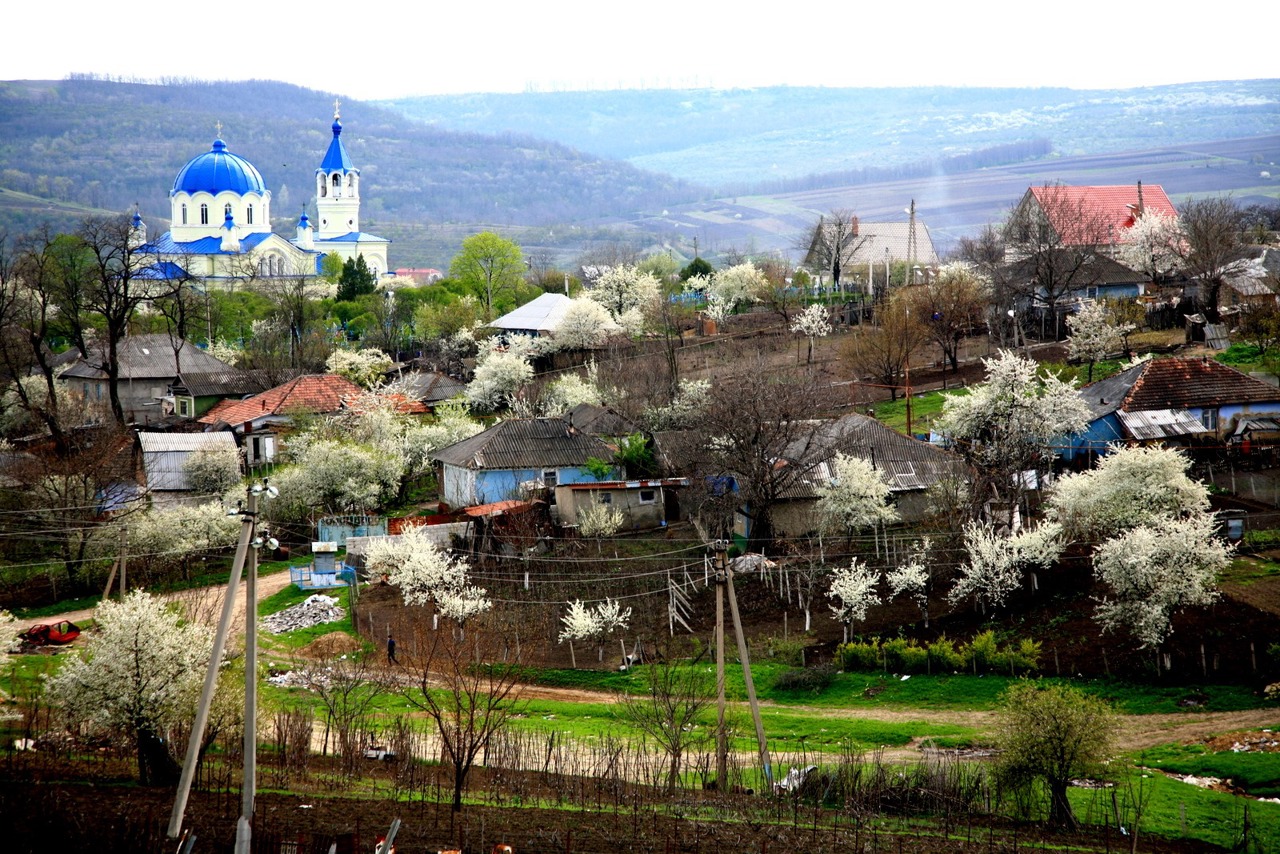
point(525, 443)
point(908, 464)
point(164, 456)
point(1161, 424)
point(540, 315)
point(223, 383)
point(147, 357)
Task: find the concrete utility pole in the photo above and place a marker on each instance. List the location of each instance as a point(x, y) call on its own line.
point(249, 517)
point(724, 583)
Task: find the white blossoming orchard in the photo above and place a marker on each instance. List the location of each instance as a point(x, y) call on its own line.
point(581, 621)
point(813, 323)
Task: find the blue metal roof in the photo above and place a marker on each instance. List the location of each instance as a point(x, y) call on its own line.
point(163, 271)
point(166, 245)
point(218, 170)
point(336, 159)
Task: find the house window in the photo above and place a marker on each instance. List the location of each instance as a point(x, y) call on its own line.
point(648, 496)
point(184, 408)
point(606, 498)
point(204, 214)
point(549, 478)
point(1209, 418)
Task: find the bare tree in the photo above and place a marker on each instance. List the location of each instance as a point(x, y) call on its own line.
point(883, 352)
point(467, 693)
point(668, 710)
point(1211, 241)
point(986, 254)
point(949, 307)
point(757, 429)
point(118, 287)
point(350, 688)
point(830, 245)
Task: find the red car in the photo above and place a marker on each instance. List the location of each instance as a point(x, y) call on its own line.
point(58, 633)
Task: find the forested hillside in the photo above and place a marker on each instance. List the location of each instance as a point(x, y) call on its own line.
point(108, 145)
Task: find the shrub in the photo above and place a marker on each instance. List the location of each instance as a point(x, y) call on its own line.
point(1257, 541)
point(788, 650)
point(812, 680)
point(1240, 354)
point(858, 655)
point(943, 654)
point(906, 656)
point(982, 651)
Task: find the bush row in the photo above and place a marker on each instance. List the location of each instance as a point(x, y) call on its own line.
point(901, 655)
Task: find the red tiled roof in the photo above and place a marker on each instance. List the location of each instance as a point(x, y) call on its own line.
point(318, 393)
point(1111, 209)
point(1194, 383)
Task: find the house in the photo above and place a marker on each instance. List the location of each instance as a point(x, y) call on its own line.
point(910, 466)
point(193, 393)
point(164, 457)
point(1097, 217)
point(149, 364)
point(537, 318)
point(644, 503)
point(428, 387)
point(514, 456)
point(1252, 281)
point(1184, 401)
point(258, 421)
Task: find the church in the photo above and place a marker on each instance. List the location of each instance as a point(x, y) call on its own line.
point(220, 222)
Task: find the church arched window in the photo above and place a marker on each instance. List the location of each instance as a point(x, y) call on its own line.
point(337, 181)
point(226, 210)
point(351, 180)
point(204, 214)
point(248, 214)
point(264, 266)
point(184, 213)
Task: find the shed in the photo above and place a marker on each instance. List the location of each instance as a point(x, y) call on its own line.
point(164, 456)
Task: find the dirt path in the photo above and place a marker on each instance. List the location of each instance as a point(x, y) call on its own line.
point(202, 603)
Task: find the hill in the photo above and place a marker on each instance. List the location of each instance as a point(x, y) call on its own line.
point(744, 141)
point(107, 145)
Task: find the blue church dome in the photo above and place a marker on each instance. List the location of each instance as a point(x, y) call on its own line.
point(218, 170)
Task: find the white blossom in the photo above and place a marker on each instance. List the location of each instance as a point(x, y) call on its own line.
point(853, 591)
point(225, 351)
point(570, 390)
point(366, 368)
point(500, 374)
point(581, 622)
point(585, 325)
point(690, 400)
point(1153, 570)
point(625, 289)
point(812, 323)
point(334, 476)
point(138, 672)
point(426, 573)
point(1093, 336)
point(1132, 485)
point(914, 578)
point(994, 569)
point(172, 533)
point(856, 497)
point(1154, 244)
point(599, 520)
point(212, 471)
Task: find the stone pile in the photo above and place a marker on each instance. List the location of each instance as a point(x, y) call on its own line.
point(313, 611)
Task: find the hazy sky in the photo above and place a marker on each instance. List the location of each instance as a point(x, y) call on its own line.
point(378, 49)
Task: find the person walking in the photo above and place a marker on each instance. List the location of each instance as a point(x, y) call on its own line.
point(391, 650)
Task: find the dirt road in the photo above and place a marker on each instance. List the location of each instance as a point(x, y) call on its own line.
point(202, 603)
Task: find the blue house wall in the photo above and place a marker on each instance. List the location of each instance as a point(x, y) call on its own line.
point(1095, 438)
point(501, 484)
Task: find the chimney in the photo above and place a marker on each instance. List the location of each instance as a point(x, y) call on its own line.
point(853, 226)
point(1140, 208)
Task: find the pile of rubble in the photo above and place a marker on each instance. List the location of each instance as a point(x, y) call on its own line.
point(297, 679)
point(313, 611)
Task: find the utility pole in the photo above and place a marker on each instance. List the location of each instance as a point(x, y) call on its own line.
point(248, 517)
point(724, 583)
point(722, 739)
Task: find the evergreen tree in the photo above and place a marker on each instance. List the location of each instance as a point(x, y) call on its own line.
point(356, 280)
